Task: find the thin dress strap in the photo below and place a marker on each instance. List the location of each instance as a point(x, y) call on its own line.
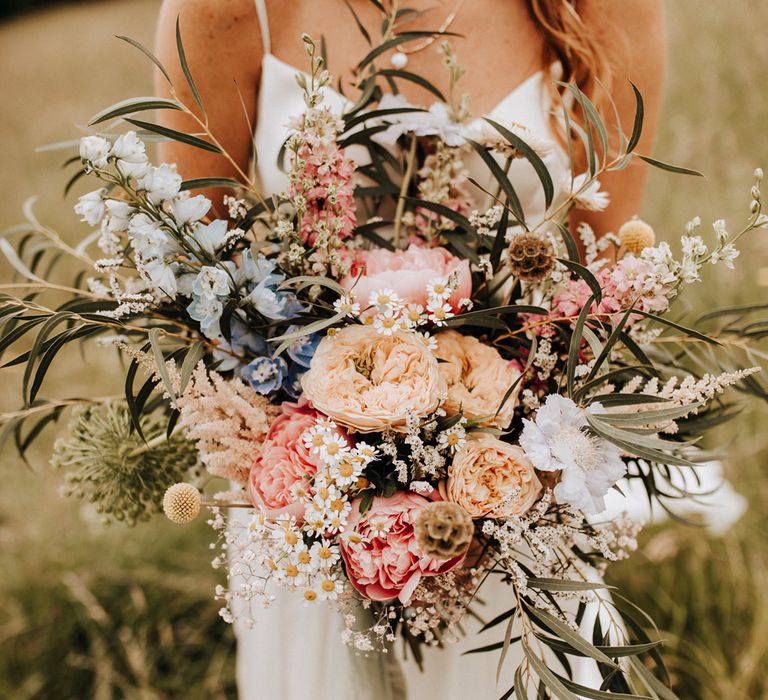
point(261, 11)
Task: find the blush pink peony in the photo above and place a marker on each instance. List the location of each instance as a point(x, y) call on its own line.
point(407, 273)
point(388, 563)
point(370, 382)
point(478, 378)
point(284, 461)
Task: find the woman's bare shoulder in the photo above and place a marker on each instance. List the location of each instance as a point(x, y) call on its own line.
point(629, 28)
point(226, 26)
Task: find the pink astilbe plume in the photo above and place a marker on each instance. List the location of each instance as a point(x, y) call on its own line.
point(227, 419)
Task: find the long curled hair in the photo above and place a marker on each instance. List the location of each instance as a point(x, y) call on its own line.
point(571, 42)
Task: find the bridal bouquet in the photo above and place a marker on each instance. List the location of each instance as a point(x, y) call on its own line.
point(411, 387)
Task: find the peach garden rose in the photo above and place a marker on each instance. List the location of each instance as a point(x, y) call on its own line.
point(478, 378)
point(492, 478)
point(369, 382)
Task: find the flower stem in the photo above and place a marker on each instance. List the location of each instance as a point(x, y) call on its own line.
point(404, 190)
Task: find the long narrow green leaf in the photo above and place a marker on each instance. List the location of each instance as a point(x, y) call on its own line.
point(162, 370)
point(532, 157)
point(586, 275)
point(566, 634)
point(174, 135)
point(575, 346)
point(597, 694)
point(651, 682)
point(637, 127)
point(547, 676)
point(413, 78)
point(502, 179)
point(200, 183)
point(131, 106)
point(670, 168)
point(185, 67)
point(556, 584)
point(402, 38)
point(151, 56)
point(193, 356)
point(683, 329)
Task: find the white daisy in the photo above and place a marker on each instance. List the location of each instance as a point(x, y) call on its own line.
point(324, 554)
point(439, 311)
point(330, 588)
point(347, 305)
point(439, 288)
point(385, 300)
point(387, 323)
point(558, 441)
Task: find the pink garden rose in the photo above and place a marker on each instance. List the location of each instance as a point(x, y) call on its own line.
point(388, 563)
point(407, 273)
point(284, 461)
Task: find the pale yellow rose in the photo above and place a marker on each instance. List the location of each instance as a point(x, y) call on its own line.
point(369, 382)
point(478, 378)
point(492, 478)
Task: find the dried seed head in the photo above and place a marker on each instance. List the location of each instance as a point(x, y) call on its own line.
point(530, 258)
point(181, 503)
point(635, 236)
point(444, 530)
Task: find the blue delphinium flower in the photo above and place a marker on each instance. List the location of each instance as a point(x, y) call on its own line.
point(244, 344)
point(292, 383)
point(260, 282)
point(207, 311)
point(302, 350)
point(265, 374)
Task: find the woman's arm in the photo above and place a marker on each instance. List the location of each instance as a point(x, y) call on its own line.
point(223, 46)
point(633, 33)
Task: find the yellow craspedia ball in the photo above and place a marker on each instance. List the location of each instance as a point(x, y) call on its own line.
point(635, 236)
point(181, 503)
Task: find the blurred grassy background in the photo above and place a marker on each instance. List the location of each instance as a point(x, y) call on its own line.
point(99, 612)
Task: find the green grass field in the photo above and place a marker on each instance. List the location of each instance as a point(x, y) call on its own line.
point(95, 612)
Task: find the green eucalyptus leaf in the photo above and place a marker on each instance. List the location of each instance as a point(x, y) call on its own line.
point(174, 135)
point(669, 168)
point(151, 56)
point(185, 67)
point(532, 157)
point(637, 127)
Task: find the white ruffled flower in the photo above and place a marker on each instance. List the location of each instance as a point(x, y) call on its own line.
point(94, 150)
point(161, 183)
point(160, 276)
point(128, 147)
point(586, 194)
point(557, 441)
point(119, 215)
point(188, 210)
point(90, 207)
point(211, 237)
point(211, 282)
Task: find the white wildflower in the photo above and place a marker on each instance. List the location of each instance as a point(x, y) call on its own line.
point(161, 183)
point(91, 208)
point(586, 193)
point(94, 150)
point(557, 440)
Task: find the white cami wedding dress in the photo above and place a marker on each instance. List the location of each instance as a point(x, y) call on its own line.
point(294, 652)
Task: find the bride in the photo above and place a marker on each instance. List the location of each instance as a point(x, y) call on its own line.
point(244, 55)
